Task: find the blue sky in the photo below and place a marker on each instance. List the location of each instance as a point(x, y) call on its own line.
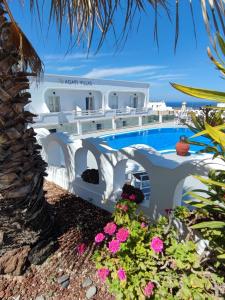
point(139, 60)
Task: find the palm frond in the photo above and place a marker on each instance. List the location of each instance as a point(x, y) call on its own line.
point(31, 60)
point(84, 18)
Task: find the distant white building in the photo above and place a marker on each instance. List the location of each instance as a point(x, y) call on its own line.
point(90, 104)
point(159, 106)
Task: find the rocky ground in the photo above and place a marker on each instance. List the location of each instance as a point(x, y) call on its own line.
point(65, 275)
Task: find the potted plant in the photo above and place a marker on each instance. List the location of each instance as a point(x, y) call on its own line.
point(182, 147)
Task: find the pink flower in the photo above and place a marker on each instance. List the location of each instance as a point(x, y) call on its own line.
point(81, 248)
point(148, 291)
point(99, 238)
point(132, 197)
point(103, 273)
point(122, 234)
point(121, 274)
point(110, 228)
point(114, 246)
point(156, 244)
point(143, 225)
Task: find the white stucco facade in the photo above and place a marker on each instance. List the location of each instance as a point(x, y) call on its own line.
point(73, 92)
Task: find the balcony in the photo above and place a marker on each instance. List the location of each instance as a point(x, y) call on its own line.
point(63, 117)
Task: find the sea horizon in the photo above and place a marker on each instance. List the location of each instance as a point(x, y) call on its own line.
point(193, 104)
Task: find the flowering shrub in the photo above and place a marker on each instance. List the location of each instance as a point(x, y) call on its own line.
point(143, 260)
point(132, 193)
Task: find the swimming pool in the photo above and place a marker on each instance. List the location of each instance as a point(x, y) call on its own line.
point(162, 139)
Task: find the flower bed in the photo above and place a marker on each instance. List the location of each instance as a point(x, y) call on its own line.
point(140, 260)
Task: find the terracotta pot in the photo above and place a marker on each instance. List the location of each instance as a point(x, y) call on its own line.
point(182, 148)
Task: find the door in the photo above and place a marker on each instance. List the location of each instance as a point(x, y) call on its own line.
point(89, 103)
point(135, 102)
point(54, 103)
point(114, 102)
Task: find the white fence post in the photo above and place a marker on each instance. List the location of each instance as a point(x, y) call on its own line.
point(113, 123)
point(79, 128)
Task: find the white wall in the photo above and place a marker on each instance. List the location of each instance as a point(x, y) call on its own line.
point(125, 99)
point(82, 86)
point(69, 99)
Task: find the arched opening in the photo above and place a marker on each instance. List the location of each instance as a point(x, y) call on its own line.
point(137, 176)
point(185, 185)
point(84, 160)
point(55, 156)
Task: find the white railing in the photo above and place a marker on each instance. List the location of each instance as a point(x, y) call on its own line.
point(71, 116)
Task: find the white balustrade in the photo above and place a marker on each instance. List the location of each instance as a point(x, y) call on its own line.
point(167, 176)
point(56, 118)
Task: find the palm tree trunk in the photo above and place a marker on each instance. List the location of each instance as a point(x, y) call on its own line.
point(24, 214)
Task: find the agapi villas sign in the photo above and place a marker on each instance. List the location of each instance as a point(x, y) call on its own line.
point(78, 82)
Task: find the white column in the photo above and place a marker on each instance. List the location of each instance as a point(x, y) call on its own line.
point(79, 128)
point(146, 99)
point(140, 121)
point(106, 100)
point(113, 123)
point(160, 117)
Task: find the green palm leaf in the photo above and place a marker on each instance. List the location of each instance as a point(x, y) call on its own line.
point(209, 224)
point(220, 127)
point(210, 181)
point(215, 134)
point(200, 93)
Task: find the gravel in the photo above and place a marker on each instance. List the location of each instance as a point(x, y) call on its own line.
point(77, 221)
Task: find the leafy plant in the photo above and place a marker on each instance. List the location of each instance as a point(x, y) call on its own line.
point(211, 124)
point(140, 260)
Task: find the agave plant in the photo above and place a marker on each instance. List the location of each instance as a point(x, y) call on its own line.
point(213, 127)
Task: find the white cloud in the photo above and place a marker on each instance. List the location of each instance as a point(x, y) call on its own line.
point(107, 72)
point(164, 77)
point(73, 56)
point(68, 68)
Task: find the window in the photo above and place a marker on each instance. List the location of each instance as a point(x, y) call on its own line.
point(53, 130)
point(99, 126)
point(54, 103)
point(124, 123)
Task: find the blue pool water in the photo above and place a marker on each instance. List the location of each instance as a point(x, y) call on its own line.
point(162, 139)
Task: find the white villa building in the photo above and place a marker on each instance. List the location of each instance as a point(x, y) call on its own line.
point(81, 105)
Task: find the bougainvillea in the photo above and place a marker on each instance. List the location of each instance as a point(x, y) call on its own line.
point(143, 260)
